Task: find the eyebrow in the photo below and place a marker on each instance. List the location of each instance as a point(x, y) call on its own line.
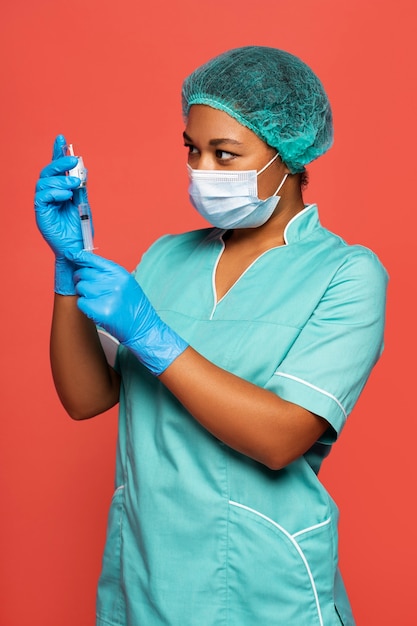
point(215, 142)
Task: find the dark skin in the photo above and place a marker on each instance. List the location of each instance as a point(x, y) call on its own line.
point(250, 419)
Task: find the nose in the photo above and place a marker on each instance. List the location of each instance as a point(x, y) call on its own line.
point(203, 161)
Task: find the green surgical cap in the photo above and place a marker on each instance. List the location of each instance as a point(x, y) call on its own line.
point(273, 93)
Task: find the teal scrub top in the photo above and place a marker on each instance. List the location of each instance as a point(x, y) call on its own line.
point(199, 534)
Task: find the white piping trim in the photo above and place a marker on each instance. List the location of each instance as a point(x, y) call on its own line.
point(243, 273)
point(296, 216)
point(116, 491)
point(213, 280)
point(310, 528)
point(213, 277)
point(296, 546)
point(304, 382)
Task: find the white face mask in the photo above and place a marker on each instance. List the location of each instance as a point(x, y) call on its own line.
point(230, 199)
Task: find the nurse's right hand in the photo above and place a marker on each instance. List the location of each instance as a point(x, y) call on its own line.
point(57, 217)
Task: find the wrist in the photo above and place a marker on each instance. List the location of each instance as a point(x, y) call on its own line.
point(64, 277)
point(158, 349)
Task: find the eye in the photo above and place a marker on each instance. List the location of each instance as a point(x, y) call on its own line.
point(223, 155)
point(191, 149)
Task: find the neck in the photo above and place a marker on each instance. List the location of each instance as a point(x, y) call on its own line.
point(271, 233)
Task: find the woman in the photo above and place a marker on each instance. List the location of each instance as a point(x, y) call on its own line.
point(237, 369)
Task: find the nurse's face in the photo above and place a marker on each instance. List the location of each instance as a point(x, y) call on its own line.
point(216, 141)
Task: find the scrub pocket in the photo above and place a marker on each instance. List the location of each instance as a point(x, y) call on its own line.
point(110, 601)
point(279, 579)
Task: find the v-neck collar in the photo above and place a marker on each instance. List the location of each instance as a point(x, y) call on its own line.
point(299, 227)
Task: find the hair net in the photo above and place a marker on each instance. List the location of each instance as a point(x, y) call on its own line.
point(273, 93)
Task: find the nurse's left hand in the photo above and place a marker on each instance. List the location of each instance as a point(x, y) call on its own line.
point(113, 299)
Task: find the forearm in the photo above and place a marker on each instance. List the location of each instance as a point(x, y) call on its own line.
point(249, 419)
point(84, 381)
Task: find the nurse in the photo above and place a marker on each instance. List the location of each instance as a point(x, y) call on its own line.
point(243, 349)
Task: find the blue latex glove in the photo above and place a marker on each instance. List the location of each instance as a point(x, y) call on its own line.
point(114, 300)
point(57, 217)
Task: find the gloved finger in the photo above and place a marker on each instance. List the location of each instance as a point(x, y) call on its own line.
point(86, 275)
point(88, 308)
point(58, 182)
point(59, 166)
point(59, 145)
point(49, 196)
point(84, 258)
point(93, 289)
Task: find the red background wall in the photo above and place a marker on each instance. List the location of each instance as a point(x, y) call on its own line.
point(108, 75)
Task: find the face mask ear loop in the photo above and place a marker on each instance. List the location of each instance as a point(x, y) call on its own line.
point(281, 183)
point(268, 164)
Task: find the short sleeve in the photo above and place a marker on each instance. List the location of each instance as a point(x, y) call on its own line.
point(330, 361)
point(110, 347)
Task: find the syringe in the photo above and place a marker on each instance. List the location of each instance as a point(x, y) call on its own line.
point(80, 199)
